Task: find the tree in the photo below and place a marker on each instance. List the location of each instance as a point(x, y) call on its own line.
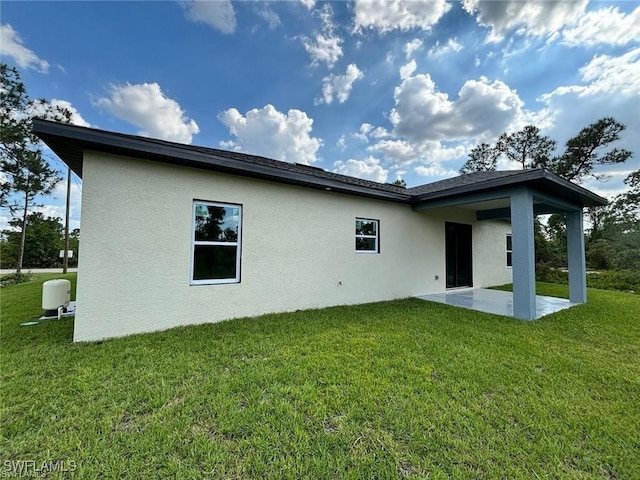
point(43, 241)
point(627, 204)
point(526, 147)
point(27, 173)
point(482, 158)
point(74, 246)
point(584, 152)
point(400, 182)
point(614, 237)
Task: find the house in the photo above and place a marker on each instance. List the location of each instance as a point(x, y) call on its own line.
point(176, 234)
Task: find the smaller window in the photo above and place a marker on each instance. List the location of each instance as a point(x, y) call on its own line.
point(509, 251)
point(367, 235)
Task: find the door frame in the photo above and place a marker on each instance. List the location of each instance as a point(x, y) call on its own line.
point(457, 259)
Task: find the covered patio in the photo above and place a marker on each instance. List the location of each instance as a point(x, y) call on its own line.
point(517, 197)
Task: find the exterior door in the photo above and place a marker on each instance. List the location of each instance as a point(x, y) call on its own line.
point(458, 255)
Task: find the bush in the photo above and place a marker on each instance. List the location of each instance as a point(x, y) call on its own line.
point(14, 279)
point(623, 280)
point(549, 274)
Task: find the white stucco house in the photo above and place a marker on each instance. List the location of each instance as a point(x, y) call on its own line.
point(176, 234)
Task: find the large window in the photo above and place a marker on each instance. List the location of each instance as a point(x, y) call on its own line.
point(367, 235)
point(509, 251)
point(215, 248)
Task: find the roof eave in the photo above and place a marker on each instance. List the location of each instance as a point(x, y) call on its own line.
point(535, 177)
point(69, 144)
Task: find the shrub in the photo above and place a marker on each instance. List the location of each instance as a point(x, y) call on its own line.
point(549, 274)
point(14, 279)
point(623, 280)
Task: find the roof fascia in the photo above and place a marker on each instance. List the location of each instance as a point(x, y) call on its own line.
point(461, 199)
point(500, 188)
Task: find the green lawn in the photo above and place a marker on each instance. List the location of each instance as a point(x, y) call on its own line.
point(387, 390)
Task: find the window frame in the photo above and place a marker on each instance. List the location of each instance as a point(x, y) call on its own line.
point(194, 243)
point(509, 251)
point(376, 237)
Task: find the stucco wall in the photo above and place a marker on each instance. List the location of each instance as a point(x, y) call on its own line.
point(297, 249)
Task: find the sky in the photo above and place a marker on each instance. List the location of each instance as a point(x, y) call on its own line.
point(377, 89)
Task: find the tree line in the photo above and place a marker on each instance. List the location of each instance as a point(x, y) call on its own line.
point(44, 239)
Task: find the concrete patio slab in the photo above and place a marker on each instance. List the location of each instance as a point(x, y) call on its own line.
point(495, 301)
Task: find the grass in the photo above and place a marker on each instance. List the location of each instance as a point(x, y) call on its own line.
point(387, 390)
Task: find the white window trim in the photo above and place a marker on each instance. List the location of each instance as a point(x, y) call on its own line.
point(238, 244)
point(376, 237)
point(507, 251)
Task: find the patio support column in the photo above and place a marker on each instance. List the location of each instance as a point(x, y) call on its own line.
point(575, 256)
point(524, 271)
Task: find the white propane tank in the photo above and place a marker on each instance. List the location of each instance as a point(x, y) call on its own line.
point(55, 294)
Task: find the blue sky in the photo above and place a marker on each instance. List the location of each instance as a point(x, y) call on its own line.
point(375, 89)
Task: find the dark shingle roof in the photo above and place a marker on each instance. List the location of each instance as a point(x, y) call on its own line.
point(461, 181)
point(70, 141)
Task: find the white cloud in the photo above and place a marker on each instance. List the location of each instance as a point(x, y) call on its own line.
point(411, 47)
point(400, 152)
point(367, 169)
point(339, 86)
point(388, 15)
point(271, 133)
point(539, 18)
point(379, 132)
point(323, 49)
point(605, 26)
point(11, 46)
point(269, 16)
point(145, 106)
point(407, 70)
point(342, 143)
point(435, 170)
point(404, 153)
point(309, 3)
point(365, 129)
point(482, 109)
point(606, 74)
point(368, 131)
point(219, 14)
point(326, 15)
point(620, 74)
point(430, 129)
point(75, 119)
point(447, 48)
